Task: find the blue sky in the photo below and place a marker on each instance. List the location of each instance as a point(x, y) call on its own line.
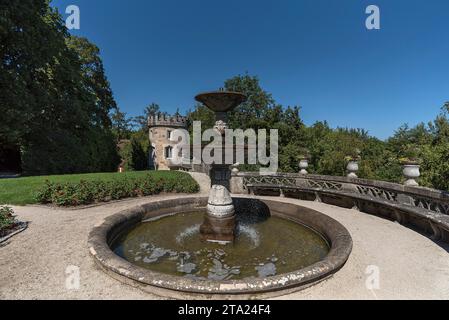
point(313, 53)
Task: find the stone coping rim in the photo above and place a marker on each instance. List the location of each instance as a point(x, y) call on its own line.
point(102, 236)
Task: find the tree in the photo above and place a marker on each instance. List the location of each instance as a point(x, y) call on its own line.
point(121, 125)
point(151, 110)
point(134, 155)
point(55, 98)
point(260, 111)
point(257, 105)
point(141, 122)
point(94, 79)
point(31, 44)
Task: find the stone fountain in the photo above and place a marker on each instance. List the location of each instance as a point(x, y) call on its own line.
point(219, 222)
point(173, 246)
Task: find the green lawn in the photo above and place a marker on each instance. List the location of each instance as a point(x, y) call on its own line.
point(21, 191)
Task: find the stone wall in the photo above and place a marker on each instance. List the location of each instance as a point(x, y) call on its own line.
point(159, 140)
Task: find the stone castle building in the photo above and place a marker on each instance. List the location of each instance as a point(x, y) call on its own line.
point(161, 127)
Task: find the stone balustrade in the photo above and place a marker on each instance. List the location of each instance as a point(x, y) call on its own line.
point(417, 207)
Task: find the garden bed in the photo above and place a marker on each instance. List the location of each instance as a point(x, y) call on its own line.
point(85, 189)
point(9, 225)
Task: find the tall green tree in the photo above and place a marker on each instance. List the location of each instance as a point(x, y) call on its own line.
point(95, 80)
point(141, 122)
point(121, 125)
point(55, 97)
point(253, 112)
point(32, 48)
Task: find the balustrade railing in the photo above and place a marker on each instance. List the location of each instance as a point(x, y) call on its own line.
point(418, 197)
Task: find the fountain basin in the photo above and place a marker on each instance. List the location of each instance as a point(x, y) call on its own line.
point(104, 239)
point(221, 101)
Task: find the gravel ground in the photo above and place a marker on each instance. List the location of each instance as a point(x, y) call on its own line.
point(203, 180)
point(33, 263)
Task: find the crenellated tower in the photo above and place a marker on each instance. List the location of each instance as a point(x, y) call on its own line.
point(161, 127)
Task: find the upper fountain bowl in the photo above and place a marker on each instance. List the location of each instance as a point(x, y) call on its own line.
point(221, 101)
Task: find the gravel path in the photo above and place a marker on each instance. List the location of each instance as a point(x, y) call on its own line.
point(33, 263)
point(203, 180)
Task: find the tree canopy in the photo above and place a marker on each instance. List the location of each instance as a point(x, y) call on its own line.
point(55, 99)
point(327, 148)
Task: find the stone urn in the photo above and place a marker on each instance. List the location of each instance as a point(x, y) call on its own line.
point(303, 165)
point(352, 168)
point(411, 173)
point(235, 168)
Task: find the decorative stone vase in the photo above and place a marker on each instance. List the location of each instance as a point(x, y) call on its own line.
point(303, 165)
point(411, 172)
point(352, 168)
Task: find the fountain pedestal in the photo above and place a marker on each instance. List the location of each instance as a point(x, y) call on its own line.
point(219, 223)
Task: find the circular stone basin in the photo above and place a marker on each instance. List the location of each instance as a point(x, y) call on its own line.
point(172, 245)
point(279, 248)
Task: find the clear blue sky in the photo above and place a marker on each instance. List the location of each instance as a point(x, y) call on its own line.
point(313, 53)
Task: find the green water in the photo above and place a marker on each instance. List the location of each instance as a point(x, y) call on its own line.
point(172, 245)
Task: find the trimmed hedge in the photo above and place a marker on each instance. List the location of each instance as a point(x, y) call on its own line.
point(88, 192)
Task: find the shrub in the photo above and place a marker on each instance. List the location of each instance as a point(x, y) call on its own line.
point(7, 218)
point(87, 192)
point(44, 195)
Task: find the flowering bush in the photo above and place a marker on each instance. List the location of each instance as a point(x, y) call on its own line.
point(87, 192)
point(7, 218)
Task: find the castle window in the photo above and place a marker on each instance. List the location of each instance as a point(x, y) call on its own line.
point(168, 152)
point(169, 134)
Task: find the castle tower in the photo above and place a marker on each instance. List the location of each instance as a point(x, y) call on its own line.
point(161, 127)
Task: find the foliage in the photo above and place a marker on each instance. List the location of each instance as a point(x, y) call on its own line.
point(135, 152)
point(94, 78)
point(22, 191)
point(378, 162)
point(87, 192)
point(121, 125)
point(435, 166)
point(255, 110)
point(202, 114)
point(7, 219)
point(55, 99)
point(93, 152)
point(140, 146)
point(141, 122)
point(328, 148)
